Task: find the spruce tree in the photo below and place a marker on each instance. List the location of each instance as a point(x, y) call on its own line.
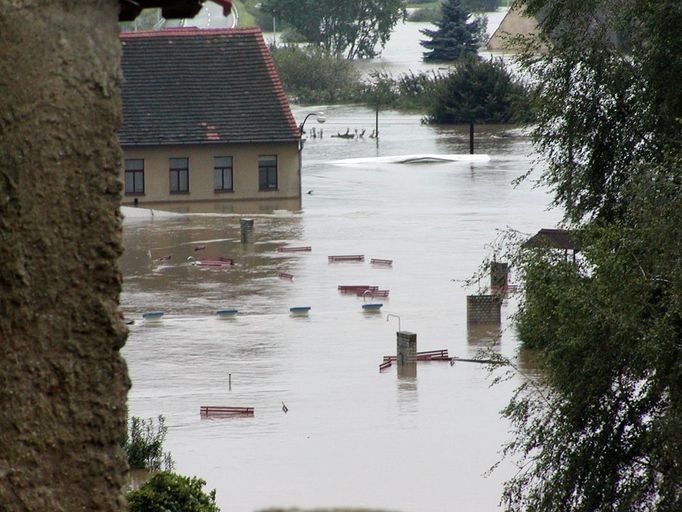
point(455, 36)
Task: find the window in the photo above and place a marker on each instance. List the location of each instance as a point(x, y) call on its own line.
point(179, 175)
point(267, 173)
point(134, 176)
point(222, 174)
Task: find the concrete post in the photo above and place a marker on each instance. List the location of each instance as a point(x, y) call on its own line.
point(246, 227)
point(484, 309)
point(406, 351)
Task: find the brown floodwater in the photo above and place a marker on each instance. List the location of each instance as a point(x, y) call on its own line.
point(352, 436)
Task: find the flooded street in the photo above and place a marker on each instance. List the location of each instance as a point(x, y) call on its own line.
point(352, 436)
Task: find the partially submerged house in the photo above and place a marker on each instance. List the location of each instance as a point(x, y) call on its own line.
point(515, 23)
point(205, 119)
point(561, 239)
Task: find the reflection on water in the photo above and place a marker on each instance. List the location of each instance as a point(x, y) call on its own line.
point(484, 335)
point(243, 207)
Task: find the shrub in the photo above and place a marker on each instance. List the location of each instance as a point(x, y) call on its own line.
point(169, 492)
point(144, 444)
point(314, 75)
point(408, 91)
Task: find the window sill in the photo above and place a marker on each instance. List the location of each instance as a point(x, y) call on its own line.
point(268, 190)
point(133, 194)
point(181, 192)
point(223, 191)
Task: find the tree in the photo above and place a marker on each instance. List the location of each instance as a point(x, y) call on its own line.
point(607, 95)
point(455, 36)
point(480, 92)
point(169, 492)
point(601, 428)
point(353, 27)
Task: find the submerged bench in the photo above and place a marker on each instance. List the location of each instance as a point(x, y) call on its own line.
point(346, 257)
point(295, 249)
point(372, 293)
point(355, 288)
point(378, 261)
point(219, 410)
point(431, 355)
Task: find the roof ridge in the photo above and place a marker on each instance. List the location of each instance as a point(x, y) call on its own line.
point(190, 31)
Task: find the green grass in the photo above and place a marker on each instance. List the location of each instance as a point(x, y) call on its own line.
point(246, 19)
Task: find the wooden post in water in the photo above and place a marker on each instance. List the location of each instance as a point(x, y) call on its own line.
point(376, 123)
point(246, 227)
point(471, 138)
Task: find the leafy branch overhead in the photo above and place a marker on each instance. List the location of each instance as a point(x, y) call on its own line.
point(607, 326)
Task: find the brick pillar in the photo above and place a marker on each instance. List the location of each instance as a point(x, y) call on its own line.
point(407, 354)
point(499, 276)
point(484, 309)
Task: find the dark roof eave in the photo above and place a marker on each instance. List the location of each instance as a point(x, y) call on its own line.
point(207, 142)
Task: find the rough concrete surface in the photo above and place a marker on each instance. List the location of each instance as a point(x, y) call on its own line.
point(63, 383)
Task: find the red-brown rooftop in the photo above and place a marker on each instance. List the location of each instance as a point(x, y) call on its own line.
point(191, 86)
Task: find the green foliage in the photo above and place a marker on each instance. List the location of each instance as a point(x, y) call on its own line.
point(480, 5)
point(144, 444)
point(455, 36)
point(608, 96)
point(481, 92)
point(408, 91)
point(314, 75)
point(353, 27)
point(169, 492)
point(603, 433)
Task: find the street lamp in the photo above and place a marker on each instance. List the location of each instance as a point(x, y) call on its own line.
point(321, 118)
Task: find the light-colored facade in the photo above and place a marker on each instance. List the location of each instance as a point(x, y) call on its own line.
point(210, 172)
point(205, 120)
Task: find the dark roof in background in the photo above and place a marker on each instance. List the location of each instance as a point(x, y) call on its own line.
point(552, 238)
point(191, 86)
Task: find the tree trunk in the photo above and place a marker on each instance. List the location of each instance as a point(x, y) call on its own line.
point(63, 383)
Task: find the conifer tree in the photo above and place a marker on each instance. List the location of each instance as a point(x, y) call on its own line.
point(455, 36)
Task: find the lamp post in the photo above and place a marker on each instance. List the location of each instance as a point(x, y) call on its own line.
point(320, 119)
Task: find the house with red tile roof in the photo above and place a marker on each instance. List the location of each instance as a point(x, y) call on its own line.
point(205, 120)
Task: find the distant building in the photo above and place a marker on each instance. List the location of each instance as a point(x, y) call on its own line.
point(205, 119)
point(515, 23)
